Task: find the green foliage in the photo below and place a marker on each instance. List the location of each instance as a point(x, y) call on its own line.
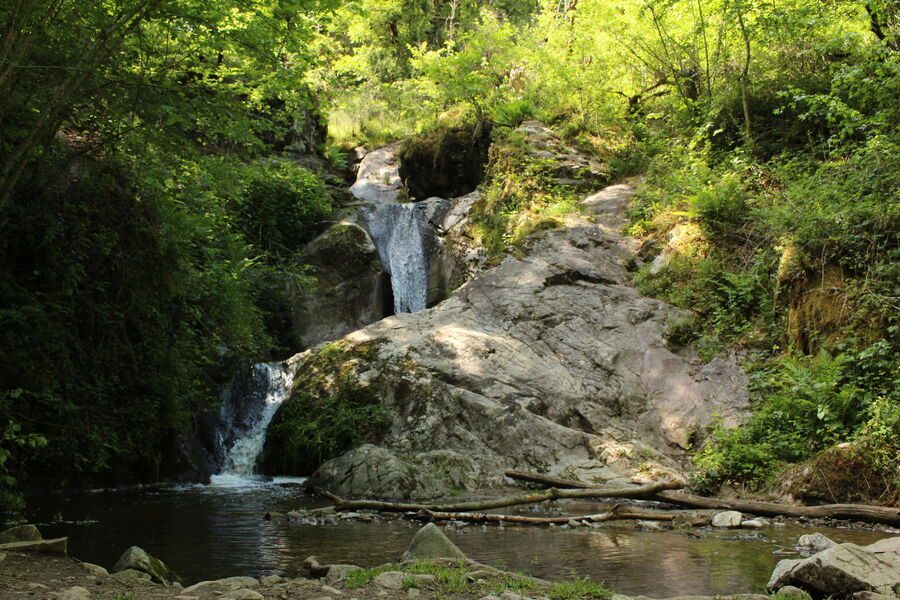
point(807, 404)
point(326, 416)
point(282, 207)
point(521, 196)
point(15, 448)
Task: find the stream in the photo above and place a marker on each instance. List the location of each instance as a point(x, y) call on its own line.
point(218, 530)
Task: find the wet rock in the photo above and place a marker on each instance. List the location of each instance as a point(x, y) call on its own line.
point(138, 559)
point(728, 518)
point(271, 579)
point(429, 543)
point(649, 526)
point(133, 575)
point(790, 592)
point(390, 580)
point(95, 570)
point(814, 542)
point(839, 571)
point(22, 533)
point(74, 593)
point(754, 524)
point(54, 546)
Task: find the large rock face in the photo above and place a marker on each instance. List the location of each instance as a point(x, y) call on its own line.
point(351, 288)
point(550, 362)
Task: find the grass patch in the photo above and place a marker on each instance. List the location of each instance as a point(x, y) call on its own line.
point(362, 577)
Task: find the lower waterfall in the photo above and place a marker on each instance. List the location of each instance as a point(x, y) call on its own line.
point(246, 416)
point(398, 231)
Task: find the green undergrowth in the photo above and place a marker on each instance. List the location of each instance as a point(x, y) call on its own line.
point(328, 413)
point(457, 578)
point(794, 260)
point(520, 196)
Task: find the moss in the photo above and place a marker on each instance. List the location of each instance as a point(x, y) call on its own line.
point(329, 412)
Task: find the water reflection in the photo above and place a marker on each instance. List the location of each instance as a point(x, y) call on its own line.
point(205, 532)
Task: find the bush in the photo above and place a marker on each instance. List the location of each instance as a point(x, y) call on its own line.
point(282, 207)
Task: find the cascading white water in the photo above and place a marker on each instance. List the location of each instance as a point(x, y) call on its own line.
point(247, 418)
point(398, 231)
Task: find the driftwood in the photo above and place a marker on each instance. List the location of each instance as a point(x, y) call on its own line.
point(617, 512)
point(858, 512)
point(634, 492)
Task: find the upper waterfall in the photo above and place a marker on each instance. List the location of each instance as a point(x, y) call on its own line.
point(398, 231)
point(246, 417)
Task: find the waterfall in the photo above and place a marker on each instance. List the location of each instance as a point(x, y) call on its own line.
point(246, 412)
point(398, 231)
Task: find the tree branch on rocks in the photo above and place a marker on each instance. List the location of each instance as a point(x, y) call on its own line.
point(859, 512)
point(633, 492)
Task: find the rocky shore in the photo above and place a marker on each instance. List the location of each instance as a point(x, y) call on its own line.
point(431, 568)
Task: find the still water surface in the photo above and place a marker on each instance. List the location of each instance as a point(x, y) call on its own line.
point(208, 532)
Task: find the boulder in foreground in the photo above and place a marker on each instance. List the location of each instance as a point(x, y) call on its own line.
point(136, 558)
point(430, 542)
point(839, 572)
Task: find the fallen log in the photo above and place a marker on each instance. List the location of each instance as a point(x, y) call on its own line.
point(633, 492)
point(858, 512)
point(616, 513)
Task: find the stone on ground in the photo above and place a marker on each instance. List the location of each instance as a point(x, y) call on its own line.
point(22, 533)
point(95, 570)
point(839, 571)
point(138, 559)
point(340, 572)
point(243, 594)
point(728, 518)
point(430, 542)
point(133, 575)
point(390, 580)
point(74, 593)
point(226, 584)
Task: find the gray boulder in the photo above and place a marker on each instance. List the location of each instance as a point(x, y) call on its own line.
point(138, 559)
point(814, 542)
point(350, 287)
point(430, 542)
point(728, 518)
point(390, 580)
point(228, 584)
point(839, 571)
point(133, 575)
point(22, 533)
point(340, 572)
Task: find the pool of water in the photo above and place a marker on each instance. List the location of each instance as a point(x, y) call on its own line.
point(219, 530)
